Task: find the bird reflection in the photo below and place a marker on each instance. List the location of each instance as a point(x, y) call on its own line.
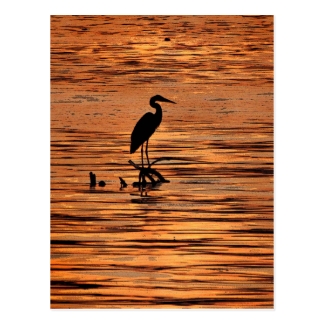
point(146, 126)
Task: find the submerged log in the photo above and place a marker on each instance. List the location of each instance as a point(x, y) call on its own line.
point(148, 172)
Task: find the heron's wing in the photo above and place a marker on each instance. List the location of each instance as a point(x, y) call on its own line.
point(143, 130)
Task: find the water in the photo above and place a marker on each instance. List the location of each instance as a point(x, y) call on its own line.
point(203, 240)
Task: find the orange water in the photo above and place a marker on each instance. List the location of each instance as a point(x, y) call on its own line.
point(206, 238)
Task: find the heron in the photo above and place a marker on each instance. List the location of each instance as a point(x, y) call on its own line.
point(146, 126)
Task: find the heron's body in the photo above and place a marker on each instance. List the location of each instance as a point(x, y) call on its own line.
point(144, 129)
point(146, 126)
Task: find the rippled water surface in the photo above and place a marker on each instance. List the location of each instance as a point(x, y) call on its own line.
point(205, 239)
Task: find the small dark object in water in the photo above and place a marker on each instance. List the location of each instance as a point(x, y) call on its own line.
point(123, 183)
point(102, 183)
point(92, 179)
point(167, 39)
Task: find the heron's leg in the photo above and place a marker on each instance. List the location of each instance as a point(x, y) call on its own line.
point(142, 154)
point(147, 152)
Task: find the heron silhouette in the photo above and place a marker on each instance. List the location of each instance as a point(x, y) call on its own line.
point(146, 126)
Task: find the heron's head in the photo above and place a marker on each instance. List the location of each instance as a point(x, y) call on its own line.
point(159, 98)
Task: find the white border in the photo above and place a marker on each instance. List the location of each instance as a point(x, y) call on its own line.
point(299, 177)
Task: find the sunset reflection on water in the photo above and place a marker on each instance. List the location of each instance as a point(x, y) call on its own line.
point(206, 238)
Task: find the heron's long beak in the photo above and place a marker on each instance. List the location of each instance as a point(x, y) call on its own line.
point(163, 99)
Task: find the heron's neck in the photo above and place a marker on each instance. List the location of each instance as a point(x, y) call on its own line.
point(158, 109)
